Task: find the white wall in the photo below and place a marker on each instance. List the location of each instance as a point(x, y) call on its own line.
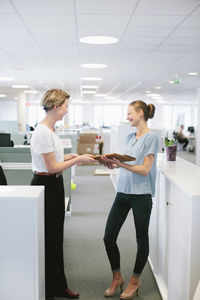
point(8, 110)
point(198, 133)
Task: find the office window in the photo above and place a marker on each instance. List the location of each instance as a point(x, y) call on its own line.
point(167, 116)
point(124, 116)
point(107, 115)
point(75, 115)
point(98, 116)
point(181, 116)
point(35, 114)
point(111, 115)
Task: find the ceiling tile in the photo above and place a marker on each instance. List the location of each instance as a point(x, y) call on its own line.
point(6, 7)
point(148, 31)
point(103, 20)
point(105, 6)
point(53, 40)
point(115, 31)
point(189, 32)
point(64, 20)
point(182, 41)
point(45, 6)
point(10, 20)
point(52, 30)
point(142, 40)
point(12, 30)
point(155, 21)
point(192, 21)
point(169, 7)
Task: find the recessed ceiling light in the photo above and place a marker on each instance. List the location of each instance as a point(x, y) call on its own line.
point(91, 78)
point(2, 95)
point(7, 78)
point(89, 86)
point(100, 95)
point(94, 66)
point(98, 39)
point(192, 73)
point(31, 92)
point(88, 92)
point(158, 87)
point(19, 86)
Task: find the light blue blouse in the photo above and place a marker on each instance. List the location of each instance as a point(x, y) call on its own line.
point(130, 182)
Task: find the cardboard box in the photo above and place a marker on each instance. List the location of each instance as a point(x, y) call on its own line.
point(89, 138)
point(88, 148)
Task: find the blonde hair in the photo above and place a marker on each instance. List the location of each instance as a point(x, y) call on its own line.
point(53, 97)
point(148, 110)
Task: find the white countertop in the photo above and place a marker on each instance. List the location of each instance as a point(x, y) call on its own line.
point(185, 175)
point(20, 192)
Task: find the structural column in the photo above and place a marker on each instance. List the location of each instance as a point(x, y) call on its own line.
point(21, 112)
point(198, 133)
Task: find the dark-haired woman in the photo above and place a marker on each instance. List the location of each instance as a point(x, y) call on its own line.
point(136, 186)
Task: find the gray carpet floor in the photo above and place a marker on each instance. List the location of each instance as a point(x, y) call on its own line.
point(86, 263)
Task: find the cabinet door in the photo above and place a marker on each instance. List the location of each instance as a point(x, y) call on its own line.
point(158, 234)
point(179, 208)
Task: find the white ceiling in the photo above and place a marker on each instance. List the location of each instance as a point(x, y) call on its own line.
point(39, 46)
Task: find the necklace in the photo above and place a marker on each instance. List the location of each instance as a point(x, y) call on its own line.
point(134, 143)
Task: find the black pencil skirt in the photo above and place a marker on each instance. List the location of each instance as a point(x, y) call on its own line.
point(54, 207)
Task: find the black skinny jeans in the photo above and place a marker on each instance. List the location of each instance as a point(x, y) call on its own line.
point(54, 205)
point(141, 206)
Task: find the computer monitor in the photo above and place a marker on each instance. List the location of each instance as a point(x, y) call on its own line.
point(191, 129)
point(5, 140)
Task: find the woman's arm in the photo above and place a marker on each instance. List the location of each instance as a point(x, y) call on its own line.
point(143, 169)
point(58, 167)
point(70, 156)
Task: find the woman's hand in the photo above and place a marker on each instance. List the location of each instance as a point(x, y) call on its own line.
point(109, 163)
point(86, 159)
point(117, 162)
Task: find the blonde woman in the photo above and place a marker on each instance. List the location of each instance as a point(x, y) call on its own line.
point(48, 163)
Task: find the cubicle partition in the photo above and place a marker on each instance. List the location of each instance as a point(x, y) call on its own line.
point(16, 162)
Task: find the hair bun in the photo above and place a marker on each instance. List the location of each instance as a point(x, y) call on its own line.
point(151, 110)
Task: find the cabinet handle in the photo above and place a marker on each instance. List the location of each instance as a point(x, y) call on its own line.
point(169, 203)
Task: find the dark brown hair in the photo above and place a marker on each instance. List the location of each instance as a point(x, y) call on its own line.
point(53, 97)
point(148, 110)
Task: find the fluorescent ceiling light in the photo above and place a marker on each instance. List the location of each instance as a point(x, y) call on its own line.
point(89, 86)
point(7, 78)
point(88, 92)
point(91, 78)
point(93, 66)
point(2, 95)
point(148, 92)
point(19, 86)
point(192, 73)
point(157, 97)
point(109, 97)
point(31, 92)
point(100, 40)
point(100, 95)
point(153, 95)
point(158, 87)
point(171, 81)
